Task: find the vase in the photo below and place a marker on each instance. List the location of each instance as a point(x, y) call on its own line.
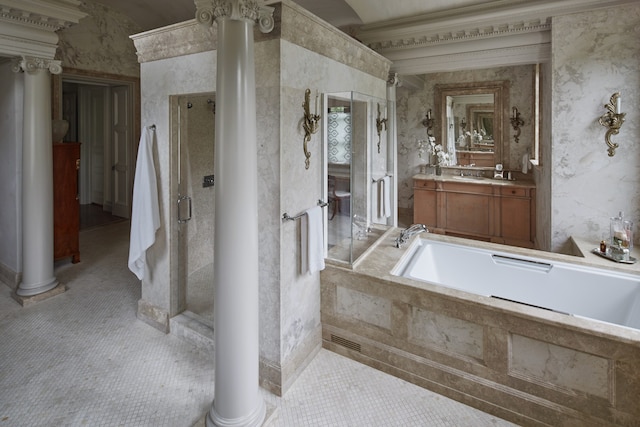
point(59, 129)
point(438, 170)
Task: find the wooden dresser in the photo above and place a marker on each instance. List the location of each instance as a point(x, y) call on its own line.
point(483, 209)
point(66, 203)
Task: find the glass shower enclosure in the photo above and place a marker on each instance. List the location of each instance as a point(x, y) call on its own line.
point(356, 158)
point(195, 203)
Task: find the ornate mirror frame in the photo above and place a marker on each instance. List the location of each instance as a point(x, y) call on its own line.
point(500, 91)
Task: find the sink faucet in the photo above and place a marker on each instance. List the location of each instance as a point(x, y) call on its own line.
point(407, 233)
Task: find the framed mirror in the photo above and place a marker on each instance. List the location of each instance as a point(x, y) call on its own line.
point(473, 122)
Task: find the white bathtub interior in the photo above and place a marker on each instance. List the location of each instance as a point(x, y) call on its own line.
point(577, 290)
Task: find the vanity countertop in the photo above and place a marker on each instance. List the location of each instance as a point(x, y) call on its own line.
point(474, 180)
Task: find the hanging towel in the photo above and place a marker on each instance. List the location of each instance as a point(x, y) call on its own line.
point(384, 197)
point(145, 215)
point(526, 164)
point(311, 241)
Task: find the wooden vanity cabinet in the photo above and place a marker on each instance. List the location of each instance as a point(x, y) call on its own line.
point(66, 203)
point(517, 216)
point(425, 206)
point(482, 210)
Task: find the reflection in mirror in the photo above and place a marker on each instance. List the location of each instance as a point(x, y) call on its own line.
point(472, 122)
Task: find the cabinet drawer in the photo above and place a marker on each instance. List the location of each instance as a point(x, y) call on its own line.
point(422, 183)
point(515, 191)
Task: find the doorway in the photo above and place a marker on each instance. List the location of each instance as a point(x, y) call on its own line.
point(100, 116)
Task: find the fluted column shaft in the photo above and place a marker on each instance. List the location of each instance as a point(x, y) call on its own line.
point(37, 178)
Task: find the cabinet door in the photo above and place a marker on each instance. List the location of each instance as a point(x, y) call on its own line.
point(515, 221)
point(468, 213)
point(424, 205)
point(66, 206)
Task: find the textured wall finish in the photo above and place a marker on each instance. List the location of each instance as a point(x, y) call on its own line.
point(100, 42)
point(595, 54)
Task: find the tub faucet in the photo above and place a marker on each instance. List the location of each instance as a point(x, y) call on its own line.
point(409, 232)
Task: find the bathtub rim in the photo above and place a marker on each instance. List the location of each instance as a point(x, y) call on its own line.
point(382, 259)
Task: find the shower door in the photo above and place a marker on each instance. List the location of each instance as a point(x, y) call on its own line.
point(195, 202)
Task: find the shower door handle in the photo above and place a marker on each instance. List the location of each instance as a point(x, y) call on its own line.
point(180, 200)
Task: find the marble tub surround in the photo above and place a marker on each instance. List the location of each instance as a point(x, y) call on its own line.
point(301, 52)
point(524, 364)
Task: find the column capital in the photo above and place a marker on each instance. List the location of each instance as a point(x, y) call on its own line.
point(393, 80)
point(31, 64)
point(207, 11)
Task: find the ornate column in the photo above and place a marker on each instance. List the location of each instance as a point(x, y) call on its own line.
point(237, 399)
point(37, 177)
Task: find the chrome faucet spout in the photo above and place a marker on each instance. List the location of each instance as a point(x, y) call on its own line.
point(409, 232)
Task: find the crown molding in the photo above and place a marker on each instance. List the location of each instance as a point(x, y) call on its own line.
point(28, 27)
point(491, 34)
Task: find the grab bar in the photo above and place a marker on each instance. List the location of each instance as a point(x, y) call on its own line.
point(524, 263)
point(286, 216)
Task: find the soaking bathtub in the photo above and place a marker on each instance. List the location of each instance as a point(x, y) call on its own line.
point(571, 289)
point(535, 338)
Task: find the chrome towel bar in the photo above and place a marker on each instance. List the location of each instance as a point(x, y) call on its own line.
point(286, 216)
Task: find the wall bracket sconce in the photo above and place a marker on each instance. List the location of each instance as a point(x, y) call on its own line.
point(612, 120)
point(516, 122)
point(310, 125)
point(463, 125)
point(428, 123)
point(379, 124)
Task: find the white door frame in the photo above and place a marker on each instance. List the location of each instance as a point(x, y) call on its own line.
point(77, 76)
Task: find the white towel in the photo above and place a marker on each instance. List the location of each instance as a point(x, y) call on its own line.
point(526, 164)
point(145, 215)
point(384, 195)
point(311, 241)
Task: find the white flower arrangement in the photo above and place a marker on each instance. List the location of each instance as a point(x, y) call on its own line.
point(430, 147)
point(478, 136)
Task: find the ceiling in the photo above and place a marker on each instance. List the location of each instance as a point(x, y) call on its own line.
point(150, 14)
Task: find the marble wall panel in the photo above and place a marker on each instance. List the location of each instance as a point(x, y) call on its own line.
point(457, 336)
point(560, 367)
point(594, 54)
point(364, 307)
point(301, 188)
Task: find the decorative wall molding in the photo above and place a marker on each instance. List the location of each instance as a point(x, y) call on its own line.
point(493, 34)
point(29, 28)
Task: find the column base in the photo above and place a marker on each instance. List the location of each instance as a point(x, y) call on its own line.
point(27, 301)
point(36, 288)
point(254, 419)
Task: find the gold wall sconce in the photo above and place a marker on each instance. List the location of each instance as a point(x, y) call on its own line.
point(516, 122)
point(310, 125)
point(612, 120)
point(380, 123)
point(428, 123)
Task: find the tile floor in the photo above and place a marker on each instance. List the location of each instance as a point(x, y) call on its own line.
point(83, 359)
